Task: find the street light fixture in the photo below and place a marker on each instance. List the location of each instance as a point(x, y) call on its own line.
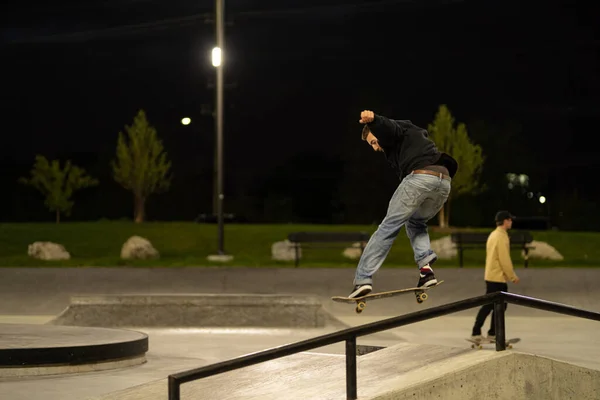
point(216, 57)
point(185, 121)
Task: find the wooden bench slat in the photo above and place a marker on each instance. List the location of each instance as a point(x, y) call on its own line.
point(326, 237)
point(473, 240)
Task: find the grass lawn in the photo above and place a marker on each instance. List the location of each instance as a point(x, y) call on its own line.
point(188, 244)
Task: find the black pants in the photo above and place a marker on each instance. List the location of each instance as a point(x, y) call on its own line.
point(484, 311)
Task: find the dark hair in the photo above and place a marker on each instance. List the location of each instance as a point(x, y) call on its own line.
point(365, 132)
point(501, 216)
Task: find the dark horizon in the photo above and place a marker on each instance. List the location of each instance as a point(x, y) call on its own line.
point(524, 79)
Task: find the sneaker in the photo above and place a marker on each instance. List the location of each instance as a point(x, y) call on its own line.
point(360, 290)
point(491, 338)
point(426, 277)
point(477, 338)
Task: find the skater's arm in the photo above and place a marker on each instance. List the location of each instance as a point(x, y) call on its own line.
point(385, 130)
point(505, 260)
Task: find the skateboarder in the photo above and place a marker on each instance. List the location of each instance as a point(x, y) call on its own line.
point(425, 176)
point(498, 268)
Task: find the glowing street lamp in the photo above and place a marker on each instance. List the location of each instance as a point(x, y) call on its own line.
point(185, 121)
point(542, 199)
point(216, 57)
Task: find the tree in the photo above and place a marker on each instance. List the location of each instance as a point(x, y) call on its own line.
point(141, 165)
point(456, 142)
point(57, 184)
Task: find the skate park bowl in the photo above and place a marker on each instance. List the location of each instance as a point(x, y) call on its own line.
point(194, 310)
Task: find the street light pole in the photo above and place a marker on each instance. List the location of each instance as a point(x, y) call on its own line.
point(217, 61)
point(220, 27)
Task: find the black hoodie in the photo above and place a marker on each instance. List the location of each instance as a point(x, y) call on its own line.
point(408, 147)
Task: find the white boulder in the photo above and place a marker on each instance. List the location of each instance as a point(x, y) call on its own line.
point(137, 247)
point(543, 251)
point(354, 252)
point(444, 248)
point(284, 251)
point(48, 251)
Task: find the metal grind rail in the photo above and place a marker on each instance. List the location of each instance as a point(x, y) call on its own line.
point(349, 336)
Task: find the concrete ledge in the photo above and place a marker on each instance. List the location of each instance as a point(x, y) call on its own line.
point(35, 350)
point(194, 310)
point(507, 376)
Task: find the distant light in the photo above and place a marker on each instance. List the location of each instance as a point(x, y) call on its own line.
point(216, 57)
point(185, 121)
point(523, 179)
point(542, 199)
point(530, 195)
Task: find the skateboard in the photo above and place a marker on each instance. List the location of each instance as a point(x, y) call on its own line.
point(361, 302)
point(478, 343)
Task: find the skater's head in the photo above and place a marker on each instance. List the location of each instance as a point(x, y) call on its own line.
point(504, 219)
point(368, 137)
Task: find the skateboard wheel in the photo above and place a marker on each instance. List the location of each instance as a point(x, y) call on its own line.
point(423, 296)
point(509, 346)
point(360, 307)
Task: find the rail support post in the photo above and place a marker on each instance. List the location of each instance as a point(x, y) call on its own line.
point(351, 391)
point(173, 389)
point(499, 306)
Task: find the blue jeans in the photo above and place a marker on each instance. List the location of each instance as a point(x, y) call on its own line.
point(418, 198)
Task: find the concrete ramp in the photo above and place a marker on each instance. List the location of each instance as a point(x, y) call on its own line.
point(405, 371)
point(195, 310)
point(508, 376)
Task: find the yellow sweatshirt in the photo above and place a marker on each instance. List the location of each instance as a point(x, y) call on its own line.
point(498, 265)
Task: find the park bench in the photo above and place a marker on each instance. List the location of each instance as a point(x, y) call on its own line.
point(474, 240)
point(324, 240)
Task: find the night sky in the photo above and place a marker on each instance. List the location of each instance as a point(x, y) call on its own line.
point(524, 77)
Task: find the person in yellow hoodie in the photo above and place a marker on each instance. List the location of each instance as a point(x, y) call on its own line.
point(498, 270)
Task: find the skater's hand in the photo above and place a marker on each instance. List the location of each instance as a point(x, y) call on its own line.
point(517, 280)
point(366, 117)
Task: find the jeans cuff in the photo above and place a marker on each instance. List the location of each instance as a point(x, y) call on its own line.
point(430, 259)
point(365, 281)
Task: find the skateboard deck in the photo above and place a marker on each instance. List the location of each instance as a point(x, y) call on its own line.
point(361, 302)
point(478, 343)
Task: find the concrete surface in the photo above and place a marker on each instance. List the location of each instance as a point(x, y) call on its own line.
point(309, 376)
point(173, 350)
point(47, 291)
point(193, 310)
point(30, 295)
point(401, 372)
